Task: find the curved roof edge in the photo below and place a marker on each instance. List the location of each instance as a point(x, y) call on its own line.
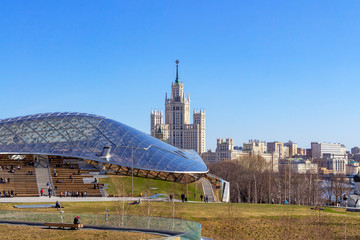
point(97, 160)
point(103, 132)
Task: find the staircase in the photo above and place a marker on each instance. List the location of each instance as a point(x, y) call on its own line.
point(95, 174)
point(42, 173)
point(225, 191)
point(208, 190)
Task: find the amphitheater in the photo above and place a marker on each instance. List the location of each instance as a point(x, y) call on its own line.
point(65, 153)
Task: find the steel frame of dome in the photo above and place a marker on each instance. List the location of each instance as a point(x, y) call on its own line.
point(84, 136)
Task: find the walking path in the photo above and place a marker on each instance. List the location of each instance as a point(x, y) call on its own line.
point(67, 199)
point(87, 199)
point(208, 190)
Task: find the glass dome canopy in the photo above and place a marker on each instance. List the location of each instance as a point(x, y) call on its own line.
point(88, 136)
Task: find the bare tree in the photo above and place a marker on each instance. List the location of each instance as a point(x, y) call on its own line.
point(253, 181)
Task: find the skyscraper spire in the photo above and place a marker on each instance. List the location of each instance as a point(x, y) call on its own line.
point(178, 128)
point(177, 73)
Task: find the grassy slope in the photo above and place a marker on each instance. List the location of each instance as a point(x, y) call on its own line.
point(120, 184)
point(242, 221)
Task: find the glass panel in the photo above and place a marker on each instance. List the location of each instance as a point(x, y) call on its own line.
point(85, 135)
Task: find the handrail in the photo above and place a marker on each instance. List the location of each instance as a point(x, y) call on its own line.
point(51, 181)
point(170, 227)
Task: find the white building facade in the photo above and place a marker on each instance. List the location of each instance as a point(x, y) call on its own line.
point(177, 129)
point(319, 149)
point(255, 147)
point(224, 151)
point(336, 163)
point(299, 166)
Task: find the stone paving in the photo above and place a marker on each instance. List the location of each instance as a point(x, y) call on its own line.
point(87, 199)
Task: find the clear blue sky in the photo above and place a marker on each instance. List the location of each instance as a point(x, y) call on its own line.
point(268, 70)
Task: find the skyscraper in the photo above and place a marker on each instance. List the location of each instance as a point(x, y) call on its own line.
point(177, 129)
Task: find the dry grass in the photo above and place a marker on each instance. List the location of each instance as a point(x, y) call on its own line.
point(14, 232)
point(241, 221)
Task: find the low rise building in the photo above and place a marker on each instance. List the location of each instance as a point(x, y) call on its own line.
point(292, 148)
point(209, 157)
point(325, 171)
point(335, 162)
point(286, 151)
point(255, 147)
point(224, 151)
point(299, 166)
point(352, 168)
point(272, 159)
point(301, 151)
point(277, 147)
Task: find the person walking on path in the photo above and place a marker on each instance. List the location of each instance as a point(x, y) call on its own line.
point(50, 192)
point(201, 197)
point(183, 197)
point(41, 192)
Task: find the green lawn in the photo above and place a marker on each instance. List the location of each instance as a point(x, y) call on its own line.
point(121, 186)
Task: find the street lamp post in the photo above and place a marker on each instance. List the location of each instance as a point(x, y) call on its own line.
point(195, 191)
point(132, 170)
point(132, 162)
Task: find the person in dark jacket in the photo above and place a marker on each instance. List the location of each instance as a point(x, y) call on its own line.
point(76, 220)
point(57, 205)
point(183, 197)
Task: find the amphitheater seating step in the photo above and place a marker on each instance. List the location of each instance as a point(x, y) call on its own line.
point(21, 174)
point(69, 177)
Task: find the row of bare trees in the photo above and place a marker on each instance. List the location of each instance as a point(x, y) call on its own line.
point(252, 180)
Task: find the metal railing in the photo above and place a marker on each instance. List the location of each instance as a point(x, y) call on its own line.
point(170, 227)
point(51, 181)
